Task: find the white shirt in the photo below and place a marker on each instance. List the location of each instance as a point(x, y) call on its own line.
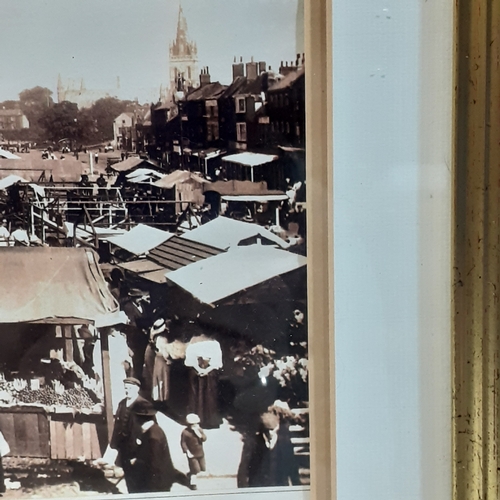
point(207, 349)
point(4, 236)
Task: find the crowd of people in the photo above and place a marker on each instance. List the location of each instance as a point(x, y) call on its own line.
point(176, 370)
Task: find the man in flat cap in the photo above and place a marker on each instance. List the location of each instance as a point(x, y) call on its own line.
point(123, 439)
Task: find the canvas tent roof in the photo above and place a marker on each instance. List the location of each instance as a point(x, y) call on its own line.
point(250, 159)
point(143, 175)
point(31, 169)
point(140, 239)
point(11, 180)
point(178, 177)
point(8, 155)
point(228, 273)
point(223, 233)
point(130, 163)
point(235, 187)
point(261, 198)
point(47, 283)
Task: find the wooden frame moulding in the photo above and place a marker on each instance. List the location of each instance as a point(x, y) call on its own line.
point(476, 345)
point(319, 161)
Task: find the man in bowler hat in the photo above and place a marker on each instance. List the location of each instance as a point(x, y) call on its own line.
point(152, 467)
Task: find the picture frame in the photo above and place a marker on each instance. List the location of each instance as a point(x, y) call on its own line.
point(319, 129)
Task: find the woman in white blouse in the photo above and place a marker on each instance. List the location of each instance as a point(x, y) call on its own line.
point(204, 357)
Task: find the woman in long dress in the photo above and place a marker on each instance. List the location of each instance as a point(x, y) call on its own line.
point(204, 357)
point(161, 370)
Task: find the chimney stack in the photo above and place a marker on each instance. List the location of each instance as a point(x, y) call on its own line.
point(238, 69)
point(262, 67)
point(251, 70)
point(204, 77)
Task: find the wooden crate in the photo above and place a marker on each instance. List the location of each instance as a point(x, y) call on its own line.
point(79, 436)
point(26, 429)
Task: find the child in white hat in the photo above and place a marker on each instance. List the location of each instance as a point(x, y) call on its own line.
point(192, 439)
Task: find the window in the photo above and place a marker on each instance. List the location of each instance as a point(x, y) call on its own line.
point(297, 130)
point(241, 132)
point(241, 105)
point(287, 128)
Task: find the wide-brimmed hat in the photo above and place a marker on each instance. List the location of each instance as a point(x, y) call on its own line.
point(192, 418)
point(132, 381)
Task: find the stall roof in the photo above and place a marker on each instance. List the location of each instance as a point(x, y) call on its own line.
point(173, 254)
point(143, 175)
point(141, 266)
point(261, 198)
point(178, 177)
point(130, 164)
point(224, 232)
point(11, 180)
point(43, 284)
point(234, 271)
point(140, 239)
point(178, 252)
point(250, 159)
point(8, 155)
point(235, 187)
point(69, 170)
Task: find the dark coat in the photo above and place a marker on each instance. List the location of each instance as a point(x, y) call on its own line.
point(153, 469)
point(190, 441)
point(262, 466)
point(125, 430)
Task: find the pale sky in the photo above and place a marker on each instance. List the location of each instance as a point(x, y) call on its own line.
point(101, 40)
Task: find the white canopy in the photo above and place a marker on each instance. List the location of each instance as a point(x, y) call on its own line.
point(140, 239)
point(10, 180)
point(250, 159)
point(8, 155)
point(213, 279)
point(224, 232)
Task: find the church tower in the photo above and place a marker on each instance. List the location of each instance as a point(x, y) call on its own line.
point(183, 58)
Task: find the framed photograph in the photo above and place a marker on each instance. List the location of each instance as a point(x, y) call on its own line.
point(165, 323)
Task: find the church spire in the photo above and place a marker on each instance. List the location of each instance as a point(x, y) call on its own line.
point(183, 56)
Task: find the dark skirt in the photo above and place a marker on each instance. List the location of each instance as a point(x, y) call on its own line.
point(203, 398)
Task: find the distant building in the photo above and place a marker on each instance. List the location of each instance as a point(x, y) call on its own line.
point(76, 92)
point(286, 106)
point(129, 131)
point(13, 119)
point(240, 103)
point(183, 59)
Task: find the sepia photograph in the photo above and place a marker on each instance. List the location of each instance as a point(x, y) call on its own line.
point(153, 248)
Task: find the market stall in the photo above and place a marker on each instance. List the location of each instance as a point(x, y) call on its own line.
point(54, 361)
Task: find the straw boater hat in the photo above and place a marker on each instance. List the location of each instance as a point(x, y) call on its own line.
point(192, 418)
point(158, 327)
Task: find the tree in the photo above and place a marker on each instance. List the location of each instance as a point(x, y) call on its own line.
point(60, 122)
point(9, 104)
point(34, 102)
point(104, 111)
